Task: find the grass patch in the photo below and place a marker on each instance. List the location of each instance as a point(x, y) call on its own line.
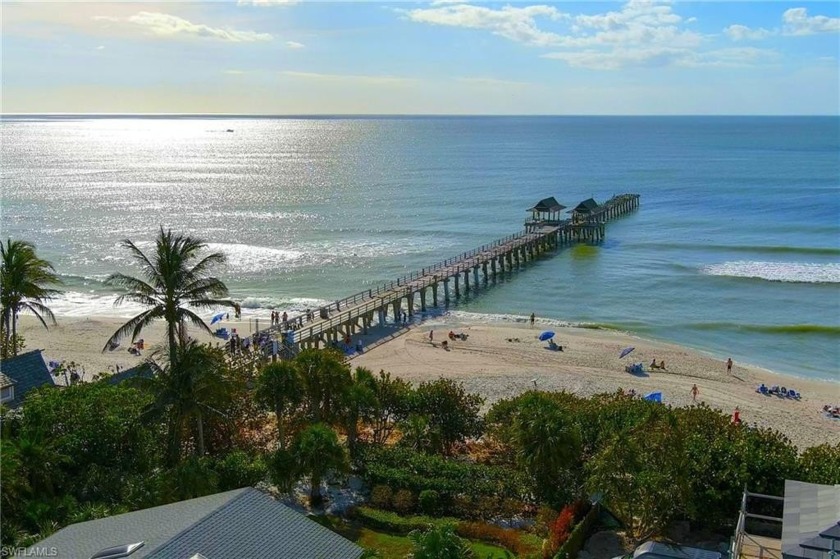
point(398, 547)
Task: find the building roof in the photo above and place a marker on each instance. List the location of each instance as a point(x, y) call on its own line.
point(140, 371)
point(231, 525)
point(28, 371)
point(6, 381)
point(548, 205)
point(587, 206)
point(811, 517)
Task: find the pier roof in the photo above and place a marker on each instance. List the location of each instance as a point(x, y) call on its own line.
point(587, 206)
point(547, 205)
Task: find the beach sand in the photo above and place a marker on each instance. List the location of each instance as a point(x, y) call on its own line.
point(490, 365)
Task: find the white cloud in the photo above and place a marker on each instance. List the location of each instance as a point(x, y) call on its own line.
point(100, 47)
point(169, 26)
point(738, 32)
point(642, 32)
point(796, 21)
point(265, 3)
point(351, 78)
point(516, 24)
point(294, 45)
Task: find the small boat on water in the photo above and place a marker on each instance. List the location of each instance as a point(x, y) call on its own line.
point(229, 130)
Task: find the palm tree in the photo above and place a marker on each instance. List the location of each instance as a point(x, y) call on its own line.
point(440, 542)
point(23, 281)
point(326, 379)
point(359, 403)
point(280, 389)
point(316, 451)
point(174, 280)
point(186, 392)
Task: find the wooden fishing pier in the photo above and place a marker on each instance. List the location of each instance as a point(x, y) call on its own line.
point(544, 232)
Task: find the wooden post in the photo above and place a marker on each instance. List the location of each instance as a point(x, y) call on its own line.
point(410, 303)
point(457, 290)
point(446, 291)
point(434, 294)
point(423, 299)
point(467, 281)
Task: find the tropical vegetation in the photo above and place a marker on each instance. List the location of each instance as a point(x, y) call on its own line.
point(24, 287)
point(440, 474)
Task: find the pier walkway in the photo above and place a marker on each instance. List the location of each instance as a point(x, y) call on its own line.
point(450, 278)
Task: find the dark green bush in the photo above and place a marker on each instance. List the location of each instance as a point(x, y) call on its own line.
point(429, 501)
point(238, 469)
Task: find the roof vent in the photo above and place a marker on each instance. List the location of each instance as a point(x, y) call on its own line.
point(117, 552)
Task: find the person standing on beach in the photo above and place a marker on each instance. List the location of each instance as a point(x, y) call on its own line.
point(532, 320)
point(736, 416)
point(729, 366)
point(694, 392)
point(431, 336)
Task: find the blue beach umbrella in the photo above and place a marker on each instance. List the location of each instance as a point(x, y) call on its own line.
point(217, 318)
point(626, 351)
point(547, 335)
point(654, 397)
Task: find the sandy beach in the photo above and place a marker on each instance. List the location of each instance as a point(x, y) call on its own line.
point(499, 360)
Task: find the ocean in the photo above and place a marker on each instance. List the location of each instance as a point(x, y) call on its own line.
point(735, 249)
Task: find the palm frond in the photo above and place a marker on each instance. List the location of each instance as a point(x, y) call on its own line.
point(38, 309)
point(195, 320)
point(133, 326)
point(129, 283)
point(148, 267)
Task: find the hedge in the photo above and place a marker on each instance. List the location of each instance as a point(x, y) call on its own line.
point(393, 523)
point(402, 468)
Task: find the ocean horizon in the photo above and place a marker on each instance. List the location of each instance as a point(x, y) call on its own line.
point(734, 250)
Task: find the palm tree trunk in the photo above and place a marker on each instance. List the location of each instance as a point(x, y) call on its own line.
point(200, 434)
point(173, 346)
point(14, 332)
point(315, 490)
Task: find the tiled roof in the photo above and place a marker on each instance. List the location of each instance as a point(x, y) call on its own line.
point(230, 525)
point(811, 509)
point(28, 371)
point(6, 381)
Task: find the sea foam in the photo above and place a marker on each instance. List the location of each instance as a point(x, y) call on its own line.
point(794, 272)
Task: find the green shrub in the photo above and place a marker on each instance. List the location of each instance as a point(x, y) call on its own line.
point(429, 501)
point(393, 523)
point(381, 496)
point(238, 469)
point(403, 468)
point(403, 501)
point(487, 507)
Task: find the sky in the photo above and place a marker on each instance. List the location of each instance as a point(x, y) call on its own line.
point(287, 57)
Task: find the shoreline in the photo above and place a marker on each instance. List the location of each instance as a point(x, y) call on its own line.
point(490, 365)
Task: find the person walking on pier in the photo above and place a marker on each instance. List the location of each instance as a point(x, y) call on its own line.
point(532, 320)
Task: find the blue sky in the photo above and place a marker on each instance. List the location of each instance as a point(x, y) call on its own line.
point(443, 57)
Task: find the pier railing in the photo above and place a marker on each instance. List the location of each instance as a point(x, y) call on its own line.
point(363, 302)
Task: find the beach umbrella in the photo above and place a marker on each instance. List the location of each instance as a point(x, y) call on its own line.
point(216, 318)
point(654, 397)
point(626, 351)
point(547, 335)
